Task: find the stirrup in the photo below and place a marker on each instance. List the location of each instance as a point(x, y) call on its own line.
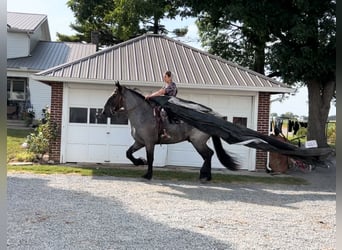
point(165, 136)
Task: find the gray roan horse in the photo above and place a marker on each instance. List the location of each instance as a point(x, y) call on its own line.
point(144, 129)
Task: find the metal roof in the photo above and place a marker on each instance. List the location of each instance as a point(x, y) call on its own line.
point(50, 54)
point(24, 22)
point(143, 60)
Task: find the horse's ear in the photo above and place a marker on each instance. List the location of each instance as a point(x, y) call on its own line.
point(117, 84)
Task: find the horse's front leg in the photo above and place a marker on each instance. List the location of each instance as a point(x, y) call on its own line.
point(150, 158)
point(129, 154)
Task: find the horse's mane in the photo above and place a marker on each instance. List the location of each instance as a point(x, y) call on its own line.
point(138, 94)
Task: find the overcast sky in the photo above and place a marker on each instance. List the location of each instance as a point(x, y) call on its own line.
point(60, 17)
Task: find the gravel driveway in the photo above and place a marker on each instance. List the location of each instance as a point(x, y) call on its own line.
point(76, 212)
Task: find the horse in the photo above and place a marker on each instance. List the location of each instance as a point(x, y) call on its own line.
point(144, 130)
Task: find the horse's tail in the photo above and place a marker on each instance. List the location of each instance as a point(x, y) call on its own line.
point(226, 160)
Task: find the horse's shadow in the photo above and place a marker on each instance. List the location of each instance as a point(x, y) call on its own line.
point(260, 194)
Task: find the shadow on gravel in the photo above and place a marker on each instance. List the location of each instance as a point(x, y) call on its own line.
point(322, 186)
point(268, 195)
point(43, 217)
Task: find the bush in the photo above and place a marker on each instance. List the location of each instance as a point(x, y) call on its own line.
point(331, 133)
point(302, 132)
point(38, 142)
point(46, 131)
point(26, 156)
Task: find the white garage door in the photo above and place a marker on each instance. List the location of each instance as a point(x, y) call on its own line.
point(86, 139)
point(237, 109)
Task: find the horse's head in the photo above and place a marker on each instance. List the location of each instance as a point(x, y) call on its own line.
point(114, 102)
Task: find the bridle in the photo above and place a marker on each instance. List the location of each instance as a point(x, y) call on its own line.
point(117, 105)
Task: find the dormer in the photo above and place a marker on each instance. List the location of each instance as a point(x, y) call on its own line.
point(24, 31)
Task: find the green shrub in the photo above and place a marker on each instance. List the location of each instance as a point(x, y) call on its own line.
point(38, 141)
point(302, 132)
point(331, 134)
point(26, 156)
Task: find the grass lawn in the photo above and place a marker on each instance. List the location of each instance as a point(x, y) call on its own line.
point(16, 137)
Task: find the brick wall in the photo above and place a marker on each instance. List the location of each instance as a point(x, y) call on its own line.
point(56, 117)
point(263, 127)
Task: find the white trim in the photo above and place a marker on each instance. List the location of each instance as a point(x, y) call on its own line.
point(65, 117)
point(255, 113)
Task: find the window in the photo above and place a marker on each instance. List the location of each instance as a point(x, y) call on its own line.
point(94, 119)
point(78, 115)
point(16, 89)
point(242, 121)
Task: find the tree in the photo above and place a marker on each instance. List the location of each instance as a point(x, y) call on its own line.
point(114, 20)
point(153, 11)
point(295, 40)
point(235, 30)
point(119, 20)
point(306, 54)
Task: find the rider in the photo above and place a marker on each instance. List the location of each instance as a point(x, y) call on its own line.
point(170, 89)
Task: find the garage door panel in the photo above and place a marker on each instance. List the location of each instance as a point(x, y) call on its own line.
point(120, 136)
point(184, 154)
point(241, 156)
point(97, 135)
point(75, 151)
point(117, 154)
point(77, 134)
point(98, 98)
point(78, 97)
point(97, 153)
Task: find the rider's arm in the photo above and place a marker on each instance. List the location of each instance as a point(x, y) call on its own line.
point(157, 93)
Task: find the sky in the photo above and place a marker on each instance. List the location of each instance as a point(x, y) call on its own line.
point(60, 17)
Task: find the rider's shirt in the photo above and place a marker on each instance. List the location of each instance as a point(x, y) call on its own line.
point(171, 89)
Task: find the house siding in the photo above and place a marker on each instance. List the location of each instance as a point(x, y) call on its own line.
point(56, 117)
point(35, 38)
point(18, 45)
point(40, 95)
point(263, 127)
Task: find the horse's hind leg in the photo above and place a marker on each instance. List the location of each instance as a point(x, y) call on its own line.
point(129, 154)
point(207, 154)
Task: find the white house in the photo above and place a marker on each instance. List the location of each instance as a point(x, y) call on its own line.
point(81, 87)
point(30, 50)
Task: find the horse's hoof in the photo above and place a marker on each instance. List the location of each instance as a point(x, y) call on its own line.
point(144, 161)
point(205, 179)
point(140, 162)
point(147, 176)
